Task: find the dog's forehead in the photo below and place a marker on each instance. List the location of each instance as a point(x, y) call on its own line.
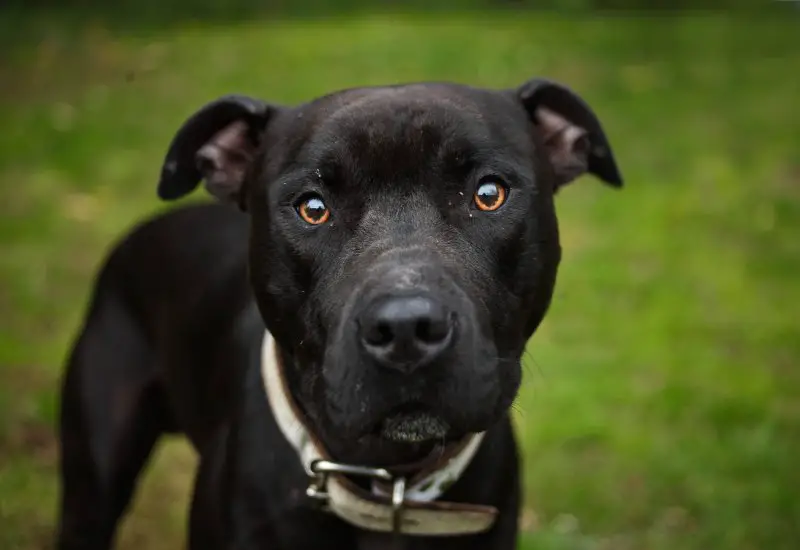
point(434, 101)
point(421, 121)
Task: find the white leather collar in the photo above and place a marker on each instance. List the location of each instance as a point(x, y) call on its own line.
point(414, 511)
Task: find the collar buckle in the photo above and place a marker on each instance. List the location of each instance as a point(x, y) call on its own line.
point(320, 470)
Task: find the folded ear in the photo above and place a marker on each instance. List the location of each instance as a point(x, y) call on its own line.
point(571, 133)
point(217, 143)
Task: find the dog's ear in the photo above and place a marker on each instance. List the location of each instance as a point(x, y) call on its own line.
point(571, 133)
point(217, 143)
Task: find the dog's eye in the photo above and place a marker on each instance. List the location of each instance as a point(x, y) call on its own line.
point(490, 195)
point(313, 210)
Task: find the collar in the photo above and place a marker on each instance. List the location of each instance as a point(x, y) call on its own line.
point(397, 505)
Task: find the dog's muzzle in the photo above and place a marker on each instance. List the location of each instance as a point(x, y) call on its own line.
point(403, 505)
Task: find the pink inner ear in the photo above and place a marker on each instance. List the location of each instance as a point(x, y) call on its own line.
point(559, 132)
point(567, 145)
point(224, 160)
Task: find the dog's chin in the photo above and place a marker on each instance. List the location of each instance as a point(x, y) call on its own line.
point(403, 436)
point(414, 427)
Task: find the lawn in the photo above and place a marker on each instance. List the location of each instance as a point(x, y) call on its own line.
point(660, 407)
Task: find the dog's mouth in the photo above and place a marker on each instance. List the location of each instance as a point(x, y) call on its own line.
point(413, 423)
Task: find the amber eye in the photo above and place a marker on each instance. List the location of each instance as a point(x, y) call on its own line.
point(313, 210)
point(490, 196)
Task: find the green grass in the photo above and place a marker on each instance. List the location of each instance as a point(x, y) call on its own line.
point(659, 409)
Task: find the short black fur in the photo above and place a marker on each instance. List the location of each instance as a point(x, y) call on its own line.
point(188, 294)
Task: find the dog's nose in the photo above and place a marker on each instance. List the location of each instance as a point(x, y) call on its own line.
point(405, 332)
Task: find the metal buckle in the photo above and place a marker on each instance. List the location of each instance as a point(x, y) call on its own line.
point(398, 499)
point(320, 470)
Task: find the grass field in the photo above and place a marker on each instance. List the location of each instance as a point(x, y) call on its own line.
point(660, 409)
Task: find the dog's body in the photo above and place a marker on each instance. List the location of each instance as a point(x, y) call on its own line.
point(401, 248)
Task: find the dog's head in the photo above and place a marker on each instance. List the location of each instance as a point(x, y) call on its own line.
point(403, 244)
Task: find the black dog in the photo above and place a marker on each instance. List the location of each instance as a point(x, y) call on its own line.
point(401, 247)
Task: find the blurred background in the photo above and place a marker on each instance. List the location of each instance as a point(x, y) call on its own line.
point(660, 407)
